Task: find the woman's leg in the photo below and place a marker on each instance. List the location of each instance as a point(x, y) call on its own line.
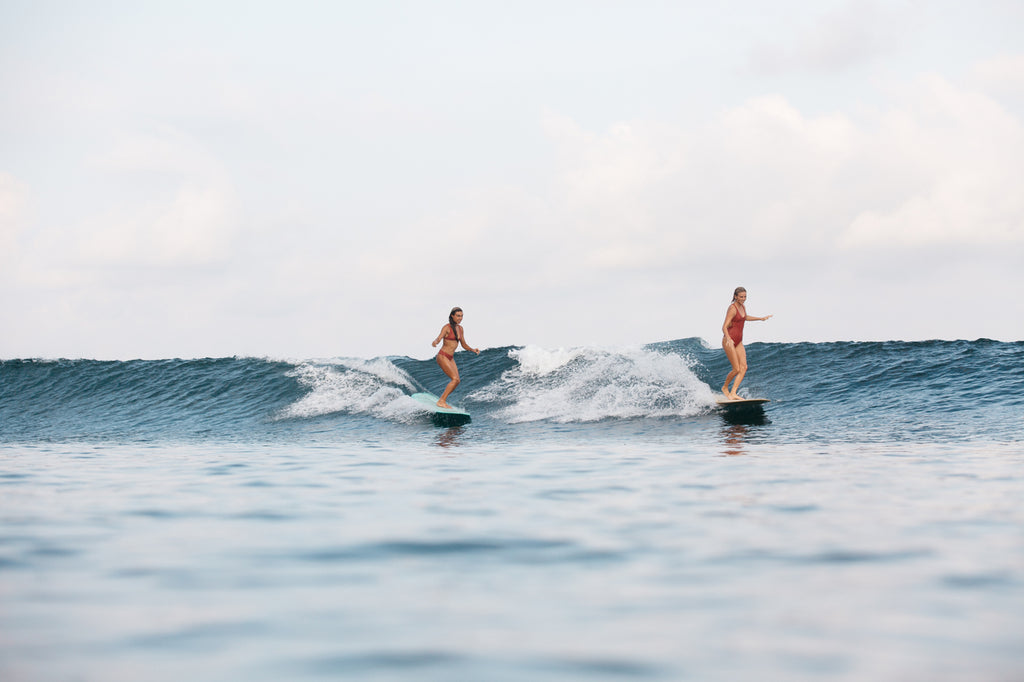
point(730, 352)
point(741, 370)
point(453, 373)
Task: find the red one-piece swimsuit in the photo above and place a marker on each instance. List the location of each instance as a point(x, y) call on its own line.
point(736, 327)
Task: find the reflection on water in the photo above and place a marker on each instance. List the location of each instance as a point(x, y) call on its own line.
point(734, 437)
point(450, 437)
point(736, 428)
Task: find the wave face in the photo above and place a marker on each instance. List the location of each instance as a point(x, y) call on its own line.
point(936, 390)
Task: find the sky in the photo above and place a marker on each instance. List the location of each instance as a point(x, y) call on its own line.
point(327, 179)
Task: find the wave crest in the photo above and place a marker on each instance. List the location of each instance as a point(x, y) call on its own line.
point(592, 384)
point(376, 387)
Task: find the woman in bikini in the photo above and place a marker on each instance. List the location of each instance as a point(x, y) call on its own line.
point(732, 341)
point(452, 335)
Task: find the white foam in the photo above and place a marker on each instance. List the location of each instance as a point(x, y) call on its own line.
point(537, 361)
point(376, 387)
point(591, 384)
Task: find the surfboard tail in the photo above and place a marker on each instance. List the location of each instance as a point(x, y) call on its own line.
point(449, 420)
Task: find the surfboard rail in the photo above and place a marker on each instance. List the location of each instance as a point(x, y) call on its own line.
point(743, 402)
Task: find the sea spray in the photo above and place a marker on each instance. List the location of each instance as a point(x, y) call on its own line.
point(592, 384)
point(353, 386)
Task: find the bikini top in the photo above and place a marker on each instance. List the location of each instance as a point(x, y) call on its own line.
point(447, 336)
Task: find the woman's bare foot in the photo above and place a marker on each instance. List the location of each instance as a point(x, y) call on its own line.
point(444, 405)
point(725, 392)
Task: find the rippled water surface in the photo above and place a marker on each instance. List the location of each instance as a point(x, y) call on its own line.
point(447, 559)
point(300, 521)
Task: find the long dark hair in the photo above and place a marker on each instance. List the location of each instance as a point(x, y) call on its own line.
point(451, 322)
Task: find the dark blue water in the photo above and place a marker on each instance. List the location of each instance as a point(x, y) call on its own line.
point(600, 518)
point(937, 391)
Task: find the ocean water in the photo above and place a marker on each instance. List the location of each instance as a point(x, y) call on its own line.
point(600, 518)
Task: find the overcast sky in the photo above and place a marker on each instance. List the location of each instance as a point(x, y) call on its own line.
point(328, 179)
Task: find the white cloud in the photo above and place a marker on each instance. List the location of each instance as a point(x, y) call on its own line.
point(966, 155)
point(765, 182)
point(1002, 74)
point(943, 165)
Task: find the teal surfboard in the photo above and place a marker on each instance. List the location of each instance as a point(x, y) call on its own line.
point(442, 416)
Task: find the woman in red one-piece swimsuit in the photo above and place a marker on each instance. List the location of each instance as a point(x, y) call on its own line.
point(452, 335)
point(732, 341)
